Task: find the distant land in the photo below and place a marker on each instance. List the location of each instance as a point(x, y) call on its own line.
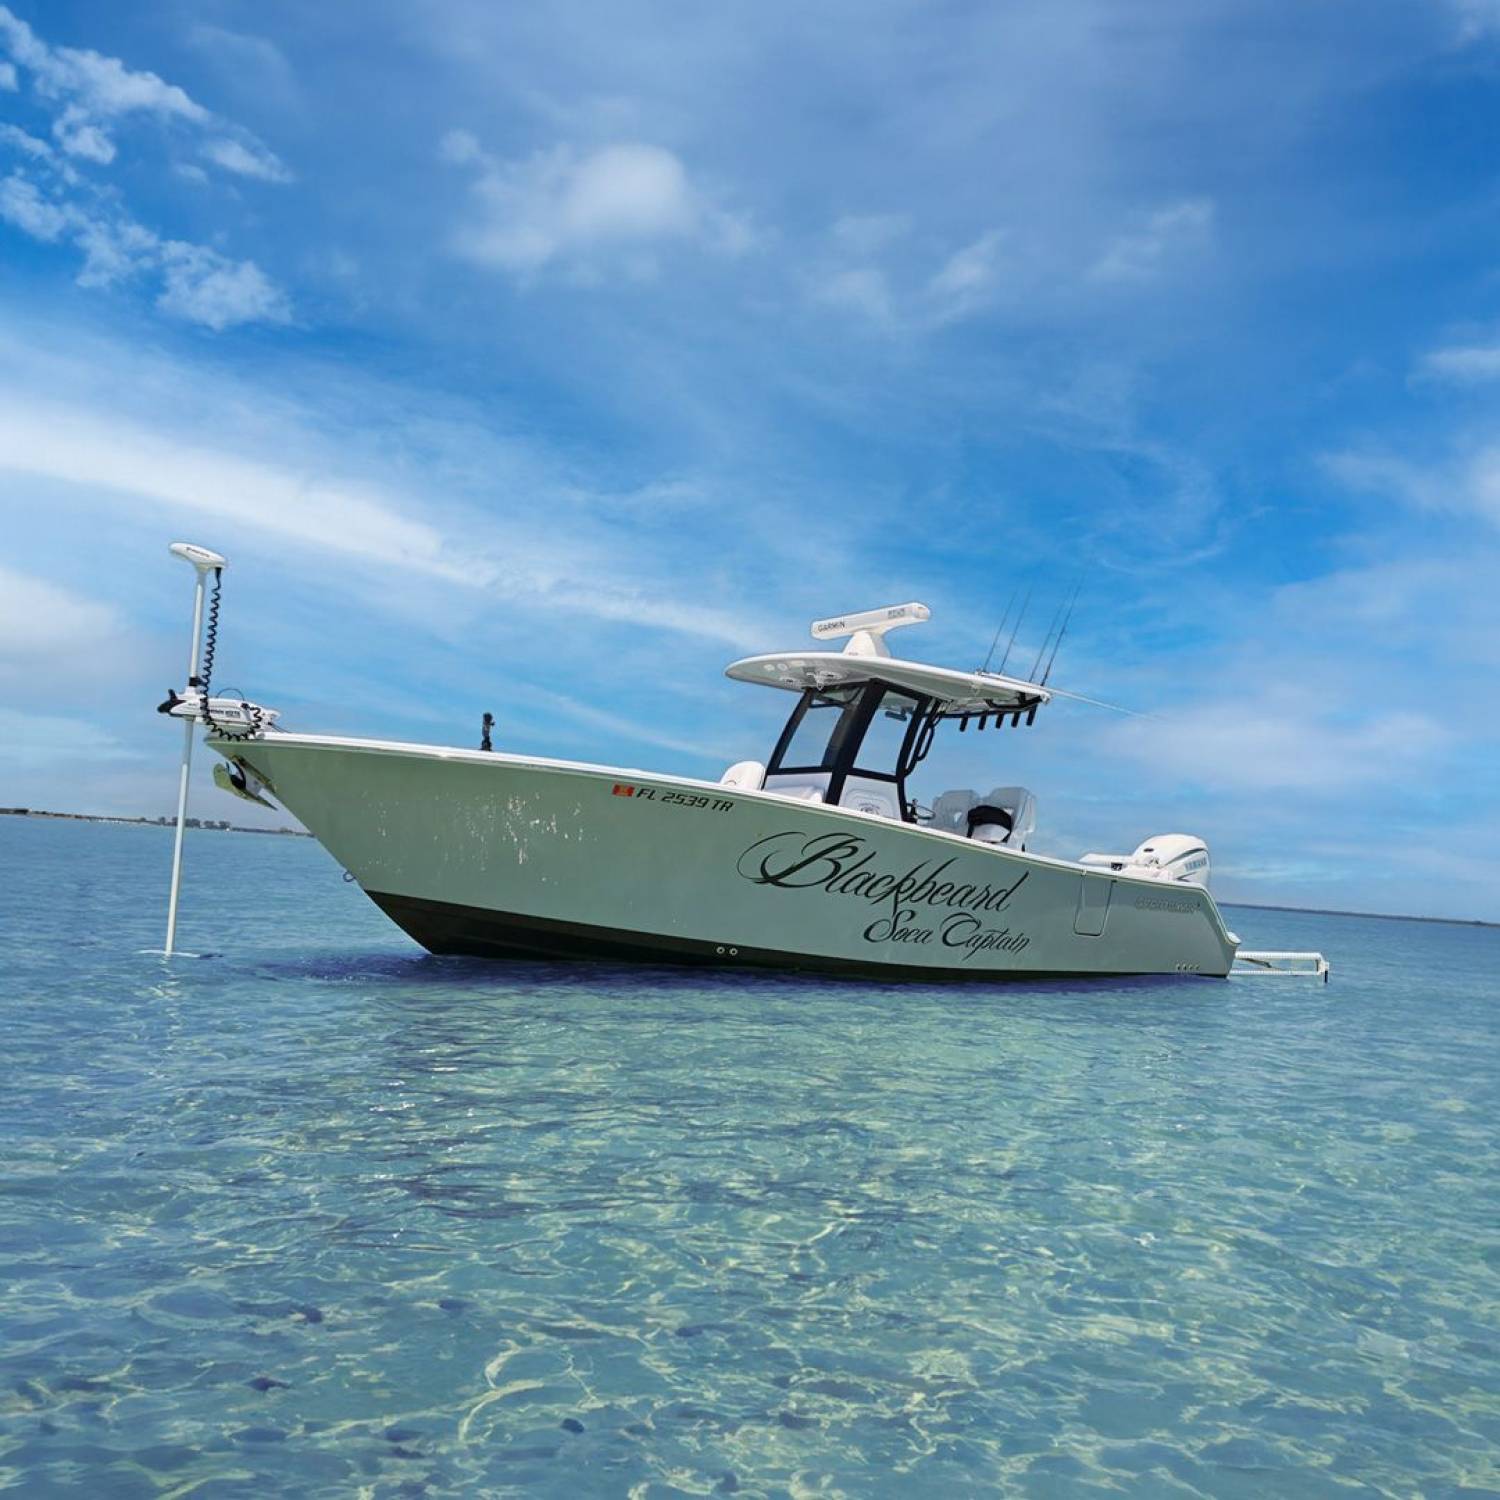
point(216, 825)
point(1379, 916)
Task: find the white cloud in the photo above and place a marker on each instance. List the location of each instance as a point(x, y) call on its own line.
point(1466, 485)
point(1464, 364)
point(81, 446)
point(77, 136)
point(862, 275)
point(1166, 234)
point(246, 160)
point(94, 91)
point(37, 742)
point(28, 145)
point(113, 250)
point(1476, 18)
point(586, 209)
point(171, 455)
point(199, 285)
point(51, 200)
point(9, 83)
point(1280, 740)
point(92, 88)
point(965, 280)
point(251, 65)
point(460, 147)
point(40, 621)
point(102, 85)
point(204, 287)
point(857, 289)
point(24, 206)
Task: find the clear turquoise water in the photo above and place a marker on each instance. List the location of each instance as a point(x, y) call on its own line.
point(321, 1215)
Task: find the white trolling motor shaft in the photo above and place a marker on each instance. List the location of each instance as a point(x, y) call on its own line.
point(204, 562)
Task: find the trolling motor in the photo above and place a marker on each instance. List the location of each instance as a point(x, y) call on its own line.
point(230, 718)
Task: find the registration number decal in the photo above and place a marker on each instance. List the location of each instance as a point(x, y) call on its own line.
point(692, 800)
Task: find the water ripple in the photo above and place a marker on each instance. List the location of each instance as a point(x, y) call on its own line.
point(322, 1215)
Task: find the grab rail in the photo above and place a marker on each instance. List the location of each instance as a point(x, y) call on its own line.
point(1288, 965)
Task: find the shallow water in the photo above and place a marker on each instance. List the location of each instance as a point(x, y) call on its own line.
point(323, 1215)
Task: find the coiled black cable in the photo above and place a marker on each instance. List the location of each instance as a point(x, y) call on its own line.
point(211, 635)
point(210, 645)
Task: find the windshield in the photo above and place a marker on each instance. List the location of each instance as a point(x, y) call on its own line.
point(810, 746)
point(879, 752)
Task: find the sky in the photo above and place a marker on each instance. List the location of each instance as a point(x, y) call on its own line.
point(544, 359)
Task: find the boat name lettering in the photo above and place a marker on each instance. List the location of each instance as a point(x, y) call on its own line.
point(844, 865)
point(959, 930)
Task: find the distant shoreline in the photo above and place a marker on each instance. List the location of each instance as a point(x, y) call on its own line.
point(210, 825)
point(301, 833)
point(1379, 916)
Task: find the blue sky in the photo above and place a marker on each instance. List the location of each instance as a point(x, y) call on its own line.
point(545, 358)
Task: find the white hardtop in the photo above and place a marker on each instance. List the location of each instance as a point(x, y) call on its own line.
point(867, 658)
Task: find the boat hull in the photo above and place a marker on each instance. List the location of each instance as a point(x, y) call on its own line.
point(503, 857)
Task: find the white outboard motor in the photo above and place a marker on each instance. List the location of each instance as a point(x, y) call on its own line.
point(1180, 857)
point(1174, 856)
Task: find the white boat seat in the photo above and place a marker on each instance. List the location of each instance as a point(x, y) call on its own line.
point(748, 775)
point(950, 808)
point(1017, 820)
point(877, 798)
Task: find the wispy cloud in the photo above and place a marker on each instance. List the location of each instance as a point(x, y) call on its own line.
point(863, 290)
point(1282, 739)
point(1462, 364)
point(47, 196)
point(92, 89)
point(93, 93)
point(1467, 484)
point(1165, 235)
point(863, 273)
point(321, 498)
point(1476, 19)
point(966, 279)
point(197, 284)
point(36, 742)
point(246, 160)
point(82, 446)
point(44, 626)
point(609, 209)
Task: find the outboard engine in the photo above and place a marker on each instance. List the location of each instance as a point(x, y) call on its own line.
point(1181, 857)
point(1173, 856)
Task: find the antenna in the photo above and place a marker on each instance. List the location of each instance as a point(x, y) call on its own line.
point(1036, 665)
point(204, 562)
point(1067, 619)
point(1001, 626)
point(1115, 708)
point(1010, 645)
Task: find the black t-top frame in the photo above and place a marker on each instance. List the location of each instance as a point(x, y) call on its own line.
point(840, 759)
